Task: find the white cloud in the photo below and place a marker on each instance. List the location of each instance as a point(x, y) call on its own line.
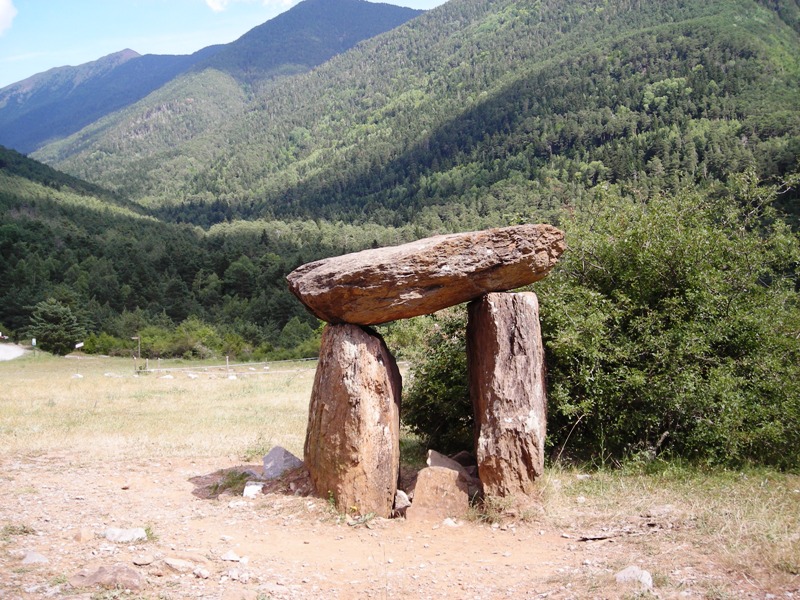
point(215, 5)
point(7, 14)
point(221, 5)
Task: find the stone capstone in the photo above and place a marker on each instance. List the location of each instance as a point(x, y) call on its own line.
point(352, 446)
point(422, 277)
point(507, 386)
point(440, 493)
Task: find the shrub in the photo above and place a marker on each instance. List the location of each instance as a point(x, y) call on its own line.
point(104, 343)
point(436, 404)
point(670, 326)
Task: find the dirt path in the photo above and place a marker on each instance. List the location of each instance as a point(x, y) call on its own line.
point(293, 547)
point(55, 510)
point(10, 351)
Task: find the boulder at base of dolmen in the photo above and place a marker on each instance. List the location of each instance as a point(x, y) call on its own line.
point(352, 447)
point(398, 282)
point(506, 378)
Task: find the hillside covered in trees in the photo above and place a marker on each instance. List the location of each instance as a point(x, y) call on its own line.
point(122, 272)
point(488, 108)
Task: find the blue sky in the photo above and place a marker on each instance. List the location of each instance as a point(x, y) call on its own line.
point(37, 35)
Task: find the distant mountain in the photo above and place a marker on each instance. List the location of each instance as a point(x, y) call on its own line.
point(61, 101)
point(304, 37)
point(490, 108)
point(52, 105)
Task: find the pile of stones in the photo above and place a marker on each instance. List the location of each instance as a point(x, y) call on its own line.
point(352, 449)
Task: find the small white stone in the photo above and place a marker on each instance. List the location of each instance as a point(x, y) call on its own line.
point(450, 522)
point(634, 574)
point(201, 573)
point(252, 489)
point(125, 536)
point(32, 558)
point(230, 556)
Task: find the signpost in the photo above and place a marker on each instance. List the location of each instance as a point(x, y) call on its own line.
point(139, 353)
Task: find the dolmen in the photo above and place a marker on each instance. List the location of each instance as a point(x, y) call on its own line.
point(352, 447)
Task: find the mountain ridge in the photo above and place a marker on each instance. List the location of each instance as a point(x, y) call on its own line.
point(51, 105)
point(476, 100)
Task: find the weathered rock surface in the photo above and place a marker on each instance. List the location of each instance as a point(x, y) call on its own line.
point(507, 387)
point(436, 459)
point(179, 565)
point(252, 489)
point(440, 493)
point(401, 500)
point(32, 557)
point(278, 461)
point(84, 534)
point(352, 447)
point(119, 576)
point(398, 282)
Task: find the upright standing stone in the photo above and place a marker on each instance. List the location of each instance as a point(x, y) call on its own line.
point(507, 387)
point(352, 447)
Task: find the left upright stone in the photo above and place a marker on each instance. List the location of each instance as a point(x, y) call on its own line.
point(352, 448)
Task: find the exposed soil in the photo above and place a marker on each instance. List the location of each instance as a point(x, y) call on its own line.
point(294, 546)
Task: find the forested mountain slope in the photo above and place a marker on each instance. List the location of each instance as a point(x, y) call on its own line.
point(121, 272)
point(485, 108)
point(304, 37)
point(51, 105)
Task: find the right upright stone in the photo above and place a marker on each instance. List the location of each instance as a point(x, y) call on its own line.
point(507, 387)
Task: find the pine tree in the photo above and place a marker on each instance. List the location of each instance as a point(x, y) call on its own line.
point(55, 327)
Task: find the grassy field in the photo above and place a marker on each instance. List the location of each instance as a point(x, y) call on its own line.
point(104, 407)
point(742, 527)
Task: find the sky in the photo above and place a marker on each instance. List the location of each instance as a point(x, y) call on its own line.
point(37, 35)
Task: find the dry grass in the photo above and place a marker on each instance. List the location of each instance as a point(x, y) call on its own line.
point(98, 407)
point(721, 531)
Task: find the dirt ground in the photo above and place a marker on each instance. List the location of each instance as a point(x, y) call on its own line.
point(56, 508)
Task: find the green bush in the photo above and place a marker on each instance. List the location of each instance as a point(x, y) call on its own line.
point(104, 343)
point(436, 404)
point(670, 327)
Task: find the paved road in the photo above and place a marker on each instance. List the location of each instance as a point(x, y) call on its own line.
point(10, 351)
